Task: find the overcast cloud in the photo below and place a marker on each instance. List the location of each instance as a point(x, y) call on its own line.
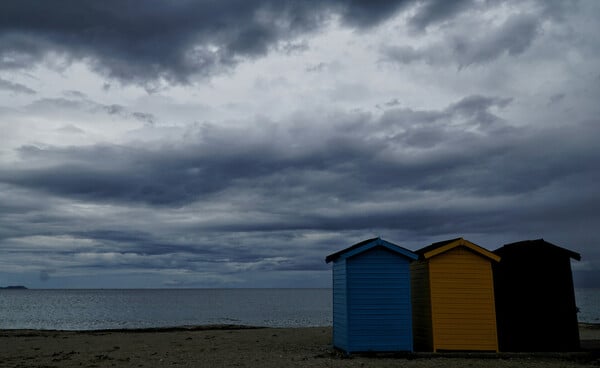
point(237, 143)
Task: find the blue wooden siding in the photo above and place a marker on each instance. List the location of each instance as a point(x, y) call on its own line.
point(340, 306)
point(378, 302)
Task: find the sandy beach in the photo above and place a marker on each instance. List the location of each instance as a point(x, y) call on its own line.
point(246, 347)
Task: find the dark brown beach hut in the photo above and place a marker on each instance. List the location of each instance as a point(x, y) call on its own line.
point(535, 298)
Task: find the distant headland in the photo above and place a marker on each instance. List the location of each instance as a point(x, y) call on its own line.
point(13, 287)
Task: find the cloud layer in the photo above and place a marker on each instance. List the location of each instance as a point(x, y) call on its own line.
point(459, 169)
point(164, 41)
point(237, 143)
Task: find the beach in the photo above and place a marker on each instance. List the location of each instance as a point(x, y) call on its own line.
point(236, 346)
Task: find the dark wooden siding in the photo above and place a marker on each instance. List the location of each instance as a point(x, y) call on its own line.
point(379, 303)
point(422, 335)
point(535, 300)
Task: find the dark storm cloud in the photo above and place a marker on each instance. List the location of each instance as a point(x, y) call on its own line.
point(144, 117)
point(162, 40)
point(74, 94)
point(223, 202)
point(70, 129)
point(15, 87)
point(357, 158)
point(558, 9)
point(512, 38)
point(367, 13)
point(60, 242)
point(57, 104)
point(407, 172)
point(140, 43)
point(45, 275)
point(78, 102)
point(556, 98)
point(431, 11)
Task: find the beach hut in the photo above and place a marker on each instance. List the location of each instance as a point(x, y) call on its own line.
point(371, 297)
point(535, 299)
point(453, 297)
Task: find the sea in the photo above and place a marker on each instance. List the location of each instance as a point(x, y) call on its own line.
point(100, 309)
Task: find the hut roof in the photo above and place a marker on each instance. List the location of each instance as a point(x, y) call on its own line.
point(446, 245)
point(539, 246)
point(368, 244)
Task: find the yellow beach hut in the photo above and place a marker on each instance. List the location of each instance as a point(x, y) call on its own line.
point(453, 297)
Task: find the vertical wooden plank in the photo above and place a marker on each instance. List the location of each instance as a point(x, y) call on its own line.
point(379, 304)
point(463, 312)
point(340, 305)
point(421, 306)
point(535, 275)
point(372, 297)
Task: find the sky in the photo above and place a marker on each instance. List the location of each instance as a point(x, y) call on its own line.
point(238, 143)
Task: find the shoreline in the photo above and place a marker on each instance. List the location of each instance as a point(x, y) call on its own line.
point(212, 327)
point(247, 346)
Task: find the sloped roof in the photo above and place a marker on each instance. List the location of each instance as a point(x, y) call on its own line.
point(369, 244)
point(537, 245)
point(446, 245)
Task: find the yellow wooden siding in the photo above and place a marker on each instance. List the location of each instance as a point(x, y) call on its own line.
point(421, 308)
point(462, 301)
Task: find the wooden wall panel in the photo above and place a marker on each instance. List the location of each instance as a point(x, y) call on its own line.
point(462, 301)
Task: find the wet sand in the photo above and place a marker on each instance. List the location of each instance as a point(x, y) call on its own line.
point(231, 346)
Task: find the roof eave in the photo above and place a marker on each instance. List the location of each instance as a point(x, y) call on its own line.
point(572, 254)
point(353, 250)
point(462, 242)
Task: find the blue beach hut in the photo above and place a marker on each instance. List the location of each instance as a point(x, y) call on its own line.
point(371, 297)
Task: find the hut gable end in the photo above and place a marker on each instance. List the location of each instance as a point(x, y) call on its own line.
point(445, 246)
point(372, 308)
point(366, 245)
point(454, 296)
point(536, 249)
point(535, 275)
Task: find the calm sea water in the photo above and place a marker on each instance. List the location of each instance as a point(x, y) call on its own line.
point(140, 308)
point(588, 302)
point(111, 309)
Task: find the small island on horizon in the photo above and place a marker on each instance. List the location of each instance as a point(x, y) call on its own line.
point(13, 287)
